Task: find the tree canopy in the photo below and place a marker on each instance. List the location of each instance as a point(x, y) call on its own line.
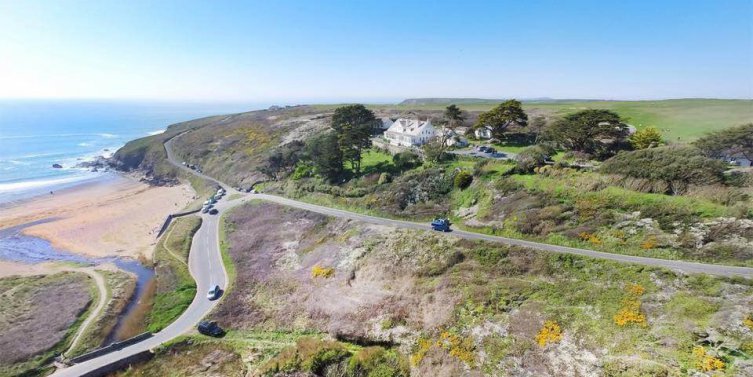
point(324, 153)
point(353, 125)
point(503, 117)
point(453, 116)
point(596, 132)
point(728, 142)
point(648, 137)
point(678, 167)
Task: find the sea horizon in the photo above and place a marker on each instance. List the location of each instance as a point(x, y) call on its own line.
point(35, 134)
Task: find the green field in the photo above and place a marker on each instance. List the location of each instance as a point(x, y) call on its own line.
point(680, 120)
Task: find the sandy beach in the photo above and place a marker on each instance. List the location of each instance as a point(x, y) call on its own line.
point(118, 216)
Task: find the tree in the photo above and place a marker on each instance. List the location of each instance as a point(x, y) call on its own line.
point(536, 127)
point(504, 116)
point(678, 167)
point(324, 153)
point(283, 159)
point(728, 142)
point(453, 116)
point(648, 137)
point(434, 150)
point(353, 125)
point(596, 132)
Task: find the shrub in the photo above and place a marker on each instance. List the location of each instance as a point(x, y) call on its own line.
point(406, 160)
point(706, 362)
point(303, 170)
point(592, 238)
point(322, 272)
point(377, 362)
point(422, 348)
point(549, 333)
point(531, 158)
point(649, 243)
point(678, 167)
point(748, 321)
point(457, 346)
point(463, 179)
point(308, 355)
point(384, 178)
point(630, 313)
point(648, 137)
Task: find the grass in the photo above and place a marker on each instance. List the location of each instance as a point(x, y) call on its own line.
point(227, 260)
point(175, 288)
point(616, 197)
point(680, 120)
point(48, 325)
point(120, 287)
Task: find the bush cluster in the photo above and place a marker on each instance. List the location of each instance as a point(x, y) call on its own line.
point(631, 313)
point(463, 179)
point(551, 332)
point(322, 272)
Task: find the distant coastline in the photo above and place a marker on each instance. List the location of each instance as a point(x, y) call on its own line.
point(37, 134)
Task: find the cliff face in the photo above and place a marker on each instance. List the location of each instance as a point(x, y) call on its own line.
point(147, 155)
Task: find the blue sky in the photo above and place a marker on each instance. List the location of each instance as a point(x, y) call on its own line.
point(380, 51)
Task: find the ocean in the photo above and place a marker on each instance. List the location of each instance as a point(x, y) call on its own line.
point(35, 134)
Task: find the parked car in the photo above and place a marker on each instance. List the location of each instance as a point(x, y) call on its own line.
point(205, 209)
point(214, 292)
point(442, 225)
point(210, 329)
point(213, 211)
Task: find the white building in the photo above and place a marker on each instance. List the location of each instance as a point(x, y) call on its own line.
point(386, 123)
point(410, 132)
point(452, 137)
point(483, 132)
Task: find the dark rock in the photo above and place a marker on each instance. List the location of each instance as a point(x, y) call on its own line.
point(57, 166)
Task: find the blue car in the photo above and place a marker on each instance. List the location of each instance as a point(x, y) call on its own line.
point(442, 225)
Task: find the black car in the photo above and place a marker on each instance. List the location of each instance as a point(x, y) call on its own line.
point(213, 211)
point(210, 329)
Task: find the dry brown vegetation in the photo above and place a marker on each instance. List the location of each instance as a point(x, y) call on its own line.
point(470, 308)
point(36, 317)
point(232, 148)
point(186, 359)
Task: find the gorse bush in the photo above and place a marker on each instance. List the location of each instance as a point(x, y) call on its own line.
point(706, 362)
point(631, 313)
point(322, 272)
point(551, 332)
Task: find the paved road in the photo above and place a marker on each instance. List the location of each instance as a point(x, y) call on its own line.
point(205, 263)
point(687, 267)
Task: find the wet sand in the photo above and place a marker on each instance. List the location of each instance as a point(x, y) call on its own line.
point(117, 216)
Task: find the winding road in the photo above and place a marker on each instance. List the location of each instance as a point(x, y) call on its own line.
point(205, 264)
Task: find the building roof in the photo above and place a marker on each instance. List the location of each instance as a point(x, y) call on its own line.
point(409, 126)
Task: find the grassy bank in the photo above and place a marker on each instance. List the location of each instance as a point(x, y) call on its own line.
point(120, 287)
point(174, 286)
point(36, 324)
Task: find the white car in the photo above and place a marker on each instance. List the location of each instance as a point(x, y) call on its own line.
point(214, 293)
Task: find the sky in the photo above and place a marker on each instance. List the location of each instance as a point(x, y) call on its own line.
point(375, 51)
